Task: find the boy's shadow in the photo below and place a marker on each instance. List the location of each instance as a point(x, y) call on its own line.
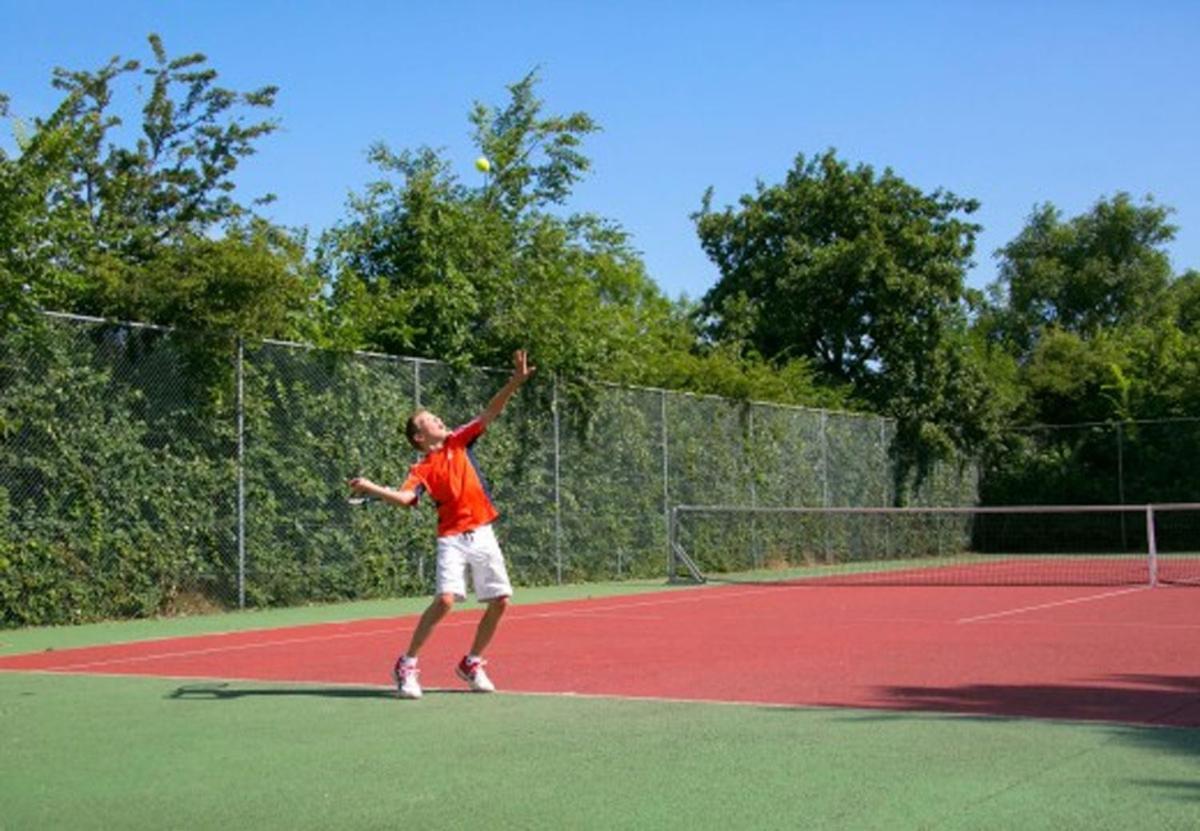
point(224, 691)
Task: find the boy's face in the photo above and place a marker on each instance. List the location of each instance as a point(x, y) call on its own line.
point(432, 429)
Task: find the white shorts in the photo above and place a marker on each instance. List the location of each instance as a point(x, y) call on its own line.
point(479, 550)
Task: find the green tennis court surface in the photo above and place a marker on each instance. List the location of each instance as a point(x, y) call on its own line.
point(104, 752)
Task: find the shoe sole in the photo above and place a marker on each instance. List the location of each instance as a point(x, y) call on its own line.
point(400, 690)
point(467, 678)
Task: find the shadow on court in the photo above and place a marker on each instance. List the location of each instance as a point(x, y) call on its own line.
point(224, 691)
point(1135, 699)
point(1172, 788)
point(1160, 713)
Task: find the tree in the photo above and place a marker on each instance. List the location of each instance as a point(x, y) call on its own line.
point(862, 275)
point(176, 179)
point(36, 227)
point(427, 265)
point(535, 159)
point(125, 229)
point(1185, 301)
point(1102, 269)
point(838, 265)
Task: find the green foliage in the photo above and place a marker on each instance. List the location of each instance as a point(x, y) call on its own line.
point(536, 159)
point(174, 181)
point(97, 222)
point(118, 473)
point(313, 420)
point(1106, 268)
point(253, 281)
point(1093, 394)
point(38, 226)
point(861, 275)
point(427, 265)
point(856, 272)
point(1104, 339)
point(113, 477)
point(1184, 295)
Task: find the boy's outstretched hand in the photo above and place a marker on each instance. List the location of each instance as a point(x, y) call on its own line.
point(522, 371)
point(361, 484)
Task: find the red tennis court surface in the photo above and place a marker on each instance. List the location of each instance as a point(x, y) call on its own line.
point(1116, 654)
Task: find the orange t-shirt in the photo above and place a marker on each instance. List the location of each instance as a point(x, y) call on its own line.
point(451, 477)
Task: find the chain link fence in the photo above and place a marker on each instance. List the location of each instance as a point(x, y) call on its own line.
point(143, 472)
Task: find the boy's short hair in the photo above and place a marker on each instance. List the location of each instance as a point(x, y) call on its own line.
point(411, 429)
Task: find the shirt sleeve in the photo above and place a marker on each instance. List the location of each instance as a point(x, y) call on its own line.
point(469, 432)
point(415, 482)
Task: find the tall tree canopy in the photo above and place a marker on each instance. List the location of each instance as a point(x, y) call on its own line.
point(1105, 268)
point(427, 264)
point(142, 223)
point(861, 274)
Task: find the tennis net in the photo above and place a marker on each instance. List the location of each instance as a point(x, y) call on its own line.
point(1018, 545)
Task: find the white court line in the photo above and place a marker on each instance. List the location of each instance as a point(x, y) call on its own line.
point(1073, 600)
point(187, 653)
point(267, 686)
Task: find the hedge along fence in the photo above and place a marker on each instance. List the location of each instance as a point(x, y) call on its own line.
point(143, 472)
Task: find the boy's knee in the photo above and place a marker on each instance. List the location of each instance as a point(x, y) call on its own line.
point(499, 603)
point(443, 602)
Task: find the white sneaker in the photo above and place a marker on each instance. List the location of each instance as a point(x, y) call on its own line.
point(406, 679)
point(472, 672)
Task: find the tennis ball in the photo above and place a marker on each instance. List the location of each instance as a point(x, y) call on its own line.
point(482, 164)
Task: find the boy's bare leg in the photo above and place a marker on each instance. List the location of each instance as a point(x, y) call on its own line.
point(487, 625)
point(429, 619)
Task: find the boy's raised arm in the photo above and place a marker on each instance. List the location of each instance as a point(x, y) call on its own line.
point(522, 372)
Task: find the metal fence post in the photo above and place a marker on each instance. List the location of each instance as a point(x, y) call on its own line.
point(558, 532)
point(416, 365)
point(883, 502)
point(824, 459)
point(825, 479)
point(755, 542)
point(666, 477)
point(241, 476)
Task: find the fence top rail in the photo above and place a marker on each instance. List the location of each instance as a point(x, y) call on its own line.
point(943, 509)
point(360, 353)
point(609, 384)
point(129, 324)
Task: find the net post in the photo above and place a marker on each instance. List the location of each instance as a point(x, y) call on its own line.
point(241, 476)
point(671, 521)
point(1121, 477)
point(678, 555)
point(1152, 546)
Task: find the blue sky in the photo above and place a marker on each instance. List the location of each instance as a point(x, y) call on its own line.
point(1012, 103)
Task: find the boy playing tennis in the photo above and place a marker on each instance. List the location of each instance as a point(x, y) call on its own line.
point(449, 474)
